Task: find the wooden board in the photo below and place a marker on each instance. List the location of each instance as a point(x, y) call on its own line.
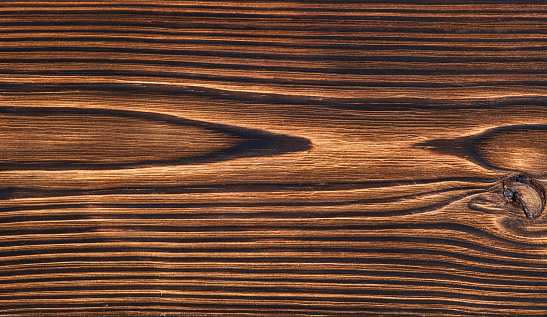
point(280, 157)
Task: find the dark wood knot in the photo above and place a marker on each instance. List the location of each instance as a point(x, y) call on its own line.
point(525, 192)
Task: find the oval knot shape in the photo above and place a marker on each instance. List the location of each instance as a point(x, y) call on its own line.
point(526, 193)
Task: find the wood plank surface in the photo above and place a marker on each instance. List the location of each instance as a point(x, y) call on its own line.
point(273, 158)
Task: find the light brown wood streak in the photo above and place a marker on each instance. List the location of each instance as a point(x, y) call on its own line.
point(271, 158)
point(100, 140)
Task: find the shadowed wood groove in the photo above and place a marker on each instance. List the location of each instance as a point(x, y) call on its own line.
point(273, 158)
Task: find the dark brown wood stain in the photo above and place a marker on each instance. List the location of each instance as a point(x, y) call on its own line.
point(272, 158)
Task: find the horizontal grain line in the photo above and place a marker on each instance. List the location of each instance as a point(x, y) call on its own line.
point(187, 33)
point(237, 44)
point(230, 5)
point(226, 229)
point(259, 257)
point(204, 310)
point(261, 27)
point(243, 7)
point(182, 35)
point(489, 82)
point(264, 294)
point(273, 56)
point(322, 274)
point(6, 217)
point(371, 104)
point(311, 215)
point(285, 243)
point(23, 192)
point(172, 64)
point(280, 301)
point(129, 11)
point(357, 245)
point(200, 310)
point(227, 309)
point(315, 283)
point(224, 249)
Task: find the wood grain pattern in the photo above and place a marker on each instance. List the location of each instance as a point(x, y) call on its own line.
point(280, 157)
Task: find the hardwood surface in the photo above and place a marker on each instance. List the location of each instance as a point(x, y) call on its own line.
point(280, 157)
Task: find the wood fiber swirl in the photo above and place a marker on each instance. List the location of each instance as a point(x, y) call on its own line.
point(273, 158)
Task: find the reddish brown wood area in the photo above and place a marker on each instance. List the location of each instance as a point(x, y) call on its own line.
point(273, 158)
